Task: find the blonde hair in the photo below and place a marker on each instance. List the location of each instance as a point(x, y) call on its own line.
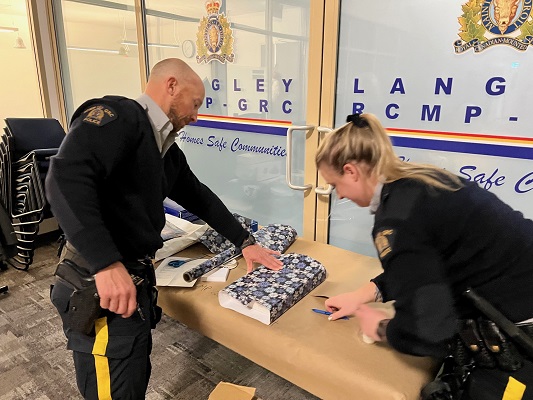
point(364, 140)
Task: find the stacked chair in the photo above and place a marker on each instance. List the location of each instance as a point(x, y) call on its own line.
point(8, 238)
point(26, 146)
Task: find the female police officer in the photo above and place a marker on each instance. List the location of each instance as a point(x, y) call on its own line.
point(106, 187)
point(436, 235)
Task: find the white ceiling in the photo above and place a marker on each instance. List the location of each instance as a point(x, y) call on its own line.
point(79, 12)
point(12, 7)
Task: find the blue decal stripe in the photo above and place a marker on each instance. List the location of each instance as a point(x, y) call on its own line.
point(525, 153)
point(232, 126)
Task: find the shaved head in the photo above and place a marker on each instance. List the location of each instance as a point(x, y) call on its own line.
point(173, 67)
point(177, 90)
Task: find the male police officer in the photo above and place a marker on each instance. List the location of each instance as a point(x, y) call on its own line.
point(106, 187)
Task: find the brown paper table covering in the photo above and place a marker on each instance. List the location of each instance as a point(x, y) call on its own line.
point(326, 358)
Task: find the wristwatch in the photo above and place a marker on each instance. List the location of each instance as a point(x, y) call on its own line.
point(250, 240)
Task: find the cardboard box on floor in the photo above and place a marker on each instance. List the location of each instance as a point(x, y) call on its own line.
point(229, 391)
point(326, 358)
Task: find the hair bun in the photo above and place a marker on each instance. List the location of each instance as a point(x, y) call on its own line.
point(357, 120)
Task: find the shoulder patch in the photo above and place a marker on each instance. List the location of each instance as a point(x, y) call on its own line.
point(99, 115)
point(383, 242)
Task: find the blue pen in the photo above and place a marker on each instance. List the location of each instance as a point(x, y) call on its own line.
point(326, 313)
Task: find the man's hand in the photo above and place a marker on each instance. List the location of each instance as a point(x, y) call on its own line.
point(258, 254)
point(116, 290)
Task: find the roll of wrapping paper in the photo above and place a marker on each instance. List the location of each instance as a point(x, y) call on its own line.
point(275, 237)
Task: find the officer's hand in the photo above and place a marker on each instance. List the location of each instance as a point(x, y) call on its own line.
point(369, 320)
point(345, 304)
point(116, 290)
point(259, 254)
point(342, 305)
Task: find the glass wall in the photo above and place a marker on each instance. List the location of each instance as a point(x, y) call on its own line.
point(263, 84)
point(269, 43)
point(97, 52)
point(451, 98)
point(259, 93)
point(20, 94)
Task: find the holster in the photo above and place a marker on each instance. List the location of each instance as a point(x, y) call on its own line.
point(447, 385)
point(144, 270)
point(84, 305)
point(156, 311)
point(484, 345)
point(500, 346)
point(470, 335)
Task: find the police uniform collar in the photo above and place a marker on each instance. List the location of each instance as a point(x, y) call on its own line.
point(375, 201)
point(154, 111)
point(161, 124)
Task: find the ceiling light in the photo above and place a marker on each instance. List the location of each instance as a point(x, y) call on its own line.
point(124, 50)
point(166, 46)
point(19, 43)
point(92, 49)
point(8, 29)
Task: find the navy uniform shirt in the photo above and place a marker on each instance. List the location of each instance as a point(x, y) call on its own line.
point(107, 183)
point(433, 245)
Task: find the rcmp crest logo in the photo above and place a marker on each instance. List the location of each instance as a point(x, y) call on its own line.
point(99, 115)
point(486, 23)
point(215, 37)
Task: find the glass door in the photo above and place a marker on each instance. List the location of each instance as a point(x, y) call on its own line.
point(449, 87)
point(261, 64)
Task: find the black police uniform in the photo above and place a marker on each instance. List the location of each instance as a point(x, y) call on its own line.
point(106, 187)
point(433, 245)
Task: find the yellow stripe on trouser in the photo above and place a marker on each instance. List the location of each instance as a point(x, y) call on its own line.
point(103, 378)
point(514, 390)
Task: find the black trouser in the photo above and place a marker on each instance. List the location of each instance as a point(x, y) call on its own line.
point(494, 384)
point(113, 362)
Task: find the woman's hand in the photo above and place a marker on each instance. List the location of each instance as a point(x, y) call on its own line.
point(347, 303)
point(369, 319)
point(342, 305)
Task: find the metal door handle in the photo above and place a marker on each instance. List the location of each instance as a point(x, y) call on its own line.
point(288, 172)
point(326, 191)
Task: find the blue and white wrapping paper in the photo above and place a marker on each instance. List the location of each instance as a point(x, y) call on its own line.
point(276, 237)
point(265, 295)
point(216, 243)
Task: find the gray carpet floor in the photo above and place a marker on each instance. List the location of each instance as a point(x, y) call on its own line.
point(35, 365)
